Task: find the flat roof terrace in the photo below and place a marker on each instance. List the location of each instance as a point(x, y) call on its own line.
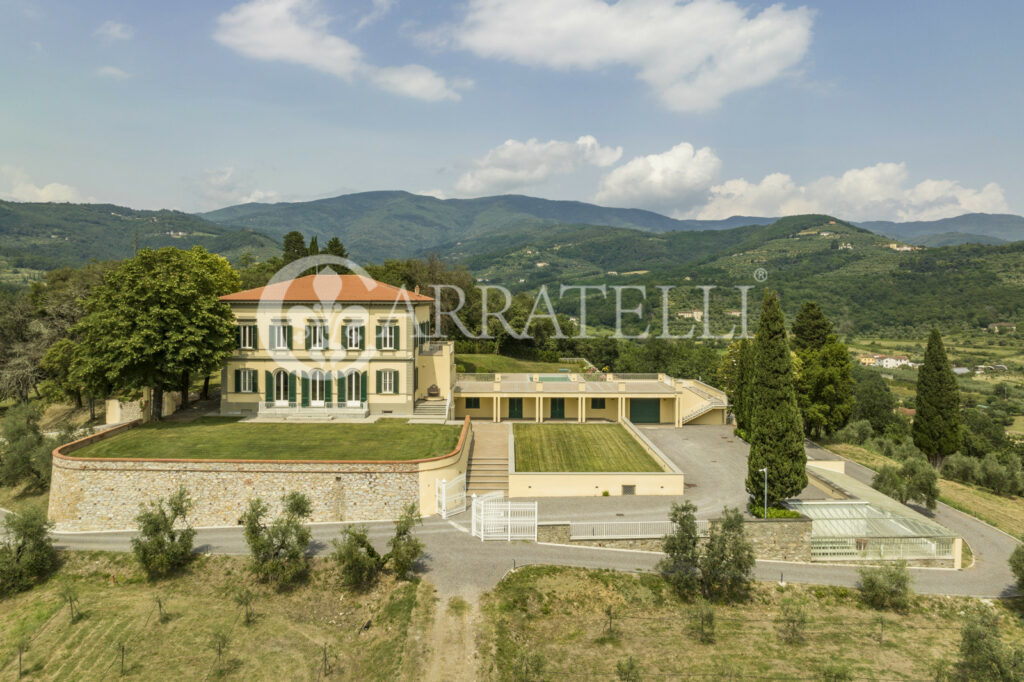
point(576, 384)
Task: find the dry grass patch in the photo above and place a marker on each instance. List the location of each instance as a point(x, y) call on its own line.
point(560, 618)
point(368, 636)
point(1005, 513)
point(579, 447)
point(18, 499)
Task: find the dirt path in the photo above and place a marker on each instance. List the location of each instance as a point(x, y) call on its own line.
point(452, 641)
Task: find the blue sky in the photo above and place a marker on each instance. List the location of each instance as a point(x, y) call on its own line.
point(867, 110)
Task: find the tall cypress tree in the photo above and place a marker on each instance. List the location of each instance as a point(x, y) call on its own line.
point(777, 435)
point(744, 383)
point(936, 426)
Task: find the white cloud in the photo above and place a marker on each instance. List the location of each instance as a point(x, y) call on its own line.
point(225, 187)
point(516, 165)
point(297, 32)
point(112, 72)
point(380, 9)
point(879, 192)
point(113, 30)
point(690, 54)
point(673, 179)
point(21, 188)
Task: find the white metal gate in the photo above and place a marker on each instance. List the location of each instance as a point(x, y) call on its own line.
point(495, 518)
point(451, 496)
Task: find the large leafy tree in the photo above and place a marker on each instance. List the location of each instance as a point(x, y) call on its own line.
point(874, 401)
point(826, 388)
point(936, 427)
point(777, 441)
point(811, 328)
point(294, 247)
point(156, 321)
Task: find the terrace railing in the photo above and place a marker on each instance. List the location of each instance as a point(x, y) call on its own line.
point(628, 530)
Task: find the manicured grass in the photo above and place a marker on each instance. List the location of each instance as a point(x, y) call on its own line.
point(285, 641)
point(1005, 513)
point(228, 438)
point(579, 447)
point(485, 362)
point(560, 618)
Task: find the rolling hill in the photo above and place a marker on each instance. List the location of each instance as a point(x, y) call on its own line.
point(967, 228)
point(46, 236)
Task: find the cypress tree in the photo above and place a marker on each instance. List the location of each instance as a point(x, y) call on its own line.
point(811, 328)
point(936, 427)
point(744, 383)
point(777, 440)
point(294, 247)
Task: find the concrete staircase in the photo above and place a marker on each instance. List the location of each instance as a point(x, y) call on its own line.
point(429, 412)
point(488, 461)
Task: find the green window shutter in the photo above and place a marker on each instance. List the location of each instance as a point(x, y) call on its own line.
point(288, 336)
point(394, 335)
point(394, 382)
point(238, 380)
point(380, 338)
point(255, 381)
point(255, 337)
point(344, 336)
point(239, 336)
point(362, 389)
point(327, 342)
point(268, 389)
point(380, 381)
point(362, 337)
point(342, 395)
point(291, 387)
point(309, 336)
point(327, 387)
point(305, 389)
point(273, 337)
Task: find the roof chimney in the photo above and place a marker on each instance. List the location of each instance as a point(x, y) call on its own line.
point(416, 289)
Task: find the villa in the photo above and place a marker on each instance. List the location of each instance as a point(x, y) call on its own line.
point(348, 347)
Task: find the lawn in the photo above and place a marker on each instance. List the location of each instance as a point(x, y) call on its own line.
point(1005, 513)
point(558, 619)
point(229, 438)
point(285, 641)
point(486, 362)
point(579, 447)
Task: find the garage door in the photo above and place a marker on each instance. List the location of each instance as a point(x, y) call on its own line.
point(644, 410)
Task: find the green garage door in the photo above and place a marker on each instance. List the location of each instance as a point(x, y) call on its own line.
point(644, 410)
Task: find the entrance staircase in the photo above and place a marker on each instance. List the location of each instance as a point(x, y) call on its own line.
point(488, 461)
point(430, 412)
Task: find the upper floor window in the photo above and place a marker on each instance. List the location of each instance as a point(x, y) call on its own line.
point(280, 336)
point(354, 336)
point(317, 337)
point(247, 336)
point(388, 335)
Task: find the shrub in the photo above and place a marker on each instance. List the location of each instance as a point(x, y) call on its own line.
point(1017, 566)
point(914, 481)
point(889, 481)
point(703, 622)
point(25, 456)
point(160, 548)
point(856, 432)
point(628, 670)
point(720, 570)
point(680, 567)
point(961, 468)
point(791, 620)
point(983, 655)
point(358, 561)
point(244, 598)
point(405, 549)
point(279, 550)
point(773, 512)
point(885, 587)
point(27, 555)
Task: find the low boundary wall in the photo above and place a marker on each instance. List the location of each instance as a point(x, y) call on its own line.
point(668, 481)
point(105, 493)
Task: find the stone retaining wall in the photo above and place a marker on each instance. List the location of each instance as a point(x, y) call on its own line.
point(105, 494)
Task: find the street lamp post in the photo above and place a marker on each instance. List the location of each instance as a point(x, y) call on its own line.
point(765, 472)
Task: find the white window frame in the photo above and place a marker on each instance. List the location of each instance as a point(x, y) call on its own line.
point(246, 336)
point(387, 336)
point(317, 377)
point(352, 334)
point(280, 336)
point(387, 381)
point(316, 336)
point(248, 381)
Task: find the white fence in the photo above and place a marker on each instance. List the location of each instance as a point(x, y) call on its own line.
point(451, 496)
point(495, 518)
point(628, 530)
point(838, 548)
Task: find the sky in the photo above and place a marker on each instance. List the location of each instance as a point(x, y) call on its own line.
point(868, 110)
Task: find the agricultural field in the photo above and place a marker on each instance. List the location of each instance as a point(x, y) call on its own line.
point(230, 438)
point(579, 447)
point(370, 636)
point(572, 623)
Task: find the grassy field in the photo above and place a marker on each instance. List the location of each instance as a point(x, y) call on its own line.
point(17, 499)
point(227, 438)
point(579, 447)
point(1005, 513)
point(485, 362)
point(560, 615)
point(285, 641)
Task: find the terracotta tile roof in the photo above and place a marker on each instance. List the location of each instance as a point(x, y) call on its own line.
point(344, 288)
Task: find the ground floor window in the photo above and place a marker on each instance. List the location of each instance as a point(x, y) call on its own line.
point(281, 387)
point(472, 403)
point(316, 388)
point(597, 403)
point(387, 381)
point(246, 381)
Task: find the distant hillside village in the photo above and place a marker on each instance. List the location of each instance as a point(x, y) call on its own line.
point(897, 361)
